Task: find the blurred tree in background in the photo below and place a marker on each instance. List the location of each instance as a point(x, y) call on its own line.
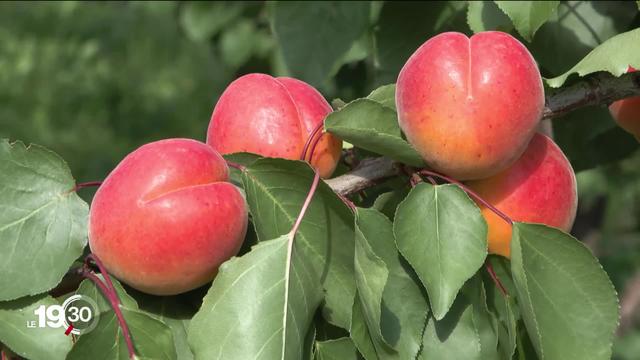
point(93, 81)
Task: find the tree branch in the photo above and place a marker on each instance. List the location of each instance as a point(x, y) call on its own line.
point(600, 89)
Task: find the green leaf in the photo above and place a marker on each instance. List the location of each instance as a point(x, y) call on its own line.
point(151, 338)
point(371, 274)
point(394, 304)
point(372, 126)
point(385, 95)
point(338, 349)
point(255, 309)
point(614, 56)
point(175, 314)
point(502, 307)
point(359, 332)
point(444, 251)
point(486, 16)
point(238, 43)
point(404, 25)
point(388, 202)
point(582, 134)
point(314, 36)
point(31, 342)
point(453, 337)
point(43, 222)
point(484, 322)
point(202, 20)
point(276, 189)
point(568, 303)
point(89, 289)
point(528, 16)
point(577, 28)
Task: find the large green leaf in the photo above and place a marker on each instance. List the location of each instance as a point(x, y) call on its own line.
point(444, 251)
point(577, 28)
point(276, 189)
point(485, 323)
point(394, 304)
point(151, 338)
point(385, 95)
point(173, 311)
point(502, 307)
point(486, 16)
point(388, 202)
point(256, 308)
point(338, 349)
point(314, 36)
point(453, 337)
point(584, 133)
point(528, 16)
point(568, 303)
point(614, 56)
point(370, 125)
point(359, 332)
point(404, 25)
point(43, 222)
point(31, 342)
point(89, 289)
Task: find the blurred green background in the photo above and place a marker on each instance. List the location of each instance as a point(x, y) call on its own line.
point(95, 80)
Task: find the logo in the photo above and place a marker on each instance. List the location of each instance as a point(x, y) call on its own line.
point(77, 315)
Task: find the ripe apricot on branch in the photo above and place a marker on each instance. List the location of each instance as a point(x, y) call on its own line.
point(540, 187)
point(469, 106)
point(166, 217)
point(626, 113)
point(273, 117)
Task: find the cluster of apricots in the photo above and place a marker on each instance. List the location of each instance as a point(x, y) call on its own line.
point(167, 216)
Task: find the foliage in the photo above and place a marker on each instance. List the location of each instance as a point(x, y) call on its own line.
point(400, 276)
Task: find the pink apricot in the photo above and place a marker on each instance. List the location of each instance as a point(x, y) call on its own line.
point(469, 106)
point(540, 187)
point(626, 113)
point(166, 217)
point(272, 117)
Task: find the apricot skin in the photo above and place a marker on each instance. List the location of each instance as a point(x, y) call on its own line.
point(540, 187)
point(272, 117)
point(166, 218)
point(626, 113)
point(469, 106)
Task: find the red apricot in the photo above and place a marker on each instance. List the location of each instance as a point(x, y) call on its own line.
point(626, 113)
point(272, 117)
point(166, 217)
point(540, 187)
point(469, 106)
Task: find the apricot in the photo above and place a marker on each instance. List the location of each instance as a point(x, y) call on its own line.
point(272, 117)
point(626, 113)
point(469, 106)
point(540, 187)
point(166, 217)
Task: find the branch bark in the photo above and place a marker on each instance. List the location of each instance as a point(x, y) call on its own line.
point(600, 89)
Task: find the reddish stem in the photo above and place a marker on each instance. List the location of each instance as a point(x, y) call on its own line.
point(495, 278)
point(86, 185)
point(312, 149)
point(307, 201)
point(4, 355)
point(348, 202)
point(236, 165)
point(307, 143)
point(470, 192)
point(107, 288)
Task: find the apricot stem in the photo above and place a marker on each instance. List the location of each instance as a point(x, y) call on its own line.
point(236, 165)
point(307, 143)
point(470, 192)
point(495, 278)
point(86, 184)
point(107, 288)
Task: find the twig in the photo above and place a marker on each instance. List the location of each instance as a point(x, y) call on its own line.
point(107, 288)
